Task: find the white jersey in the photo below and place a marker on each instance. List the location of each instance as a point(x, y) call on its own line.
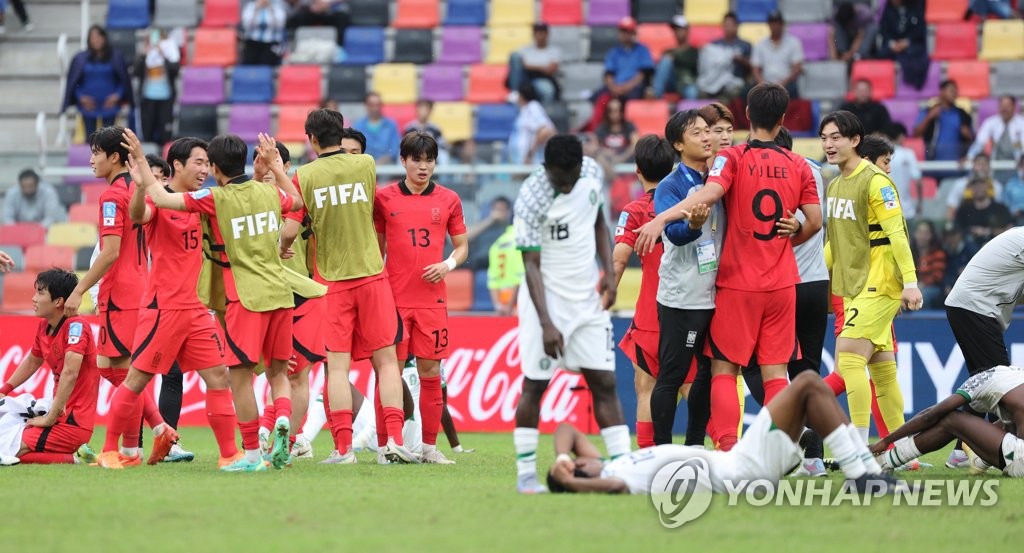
point(638, 468)
point(986, 389)
point(810, 256)
point(992, 284)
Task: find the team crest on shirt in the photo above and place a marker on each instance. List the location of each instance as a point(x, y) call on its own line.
point(593, 197)
point(890, 198)
point(200, 194)
point(716, 168)
point(435, 215)
point(545, 364)
point(74, 333)
point(109, 213)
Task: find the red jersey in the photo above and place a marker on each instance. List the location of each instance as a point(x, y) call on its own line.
point(174, 239)
point(121, 287)
point(762, 182)
point(414, 228)
point(51, 345)
point(635, 215)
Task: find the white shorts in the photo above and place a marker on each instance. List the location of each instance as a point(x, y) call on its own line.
point(586, 330)
point(1013, 444)
point(764, 452)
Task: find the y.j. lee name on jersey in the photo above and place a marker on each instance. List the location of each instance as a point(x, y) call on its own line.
point(255, 224)
point(337, 194)
point(841, 208)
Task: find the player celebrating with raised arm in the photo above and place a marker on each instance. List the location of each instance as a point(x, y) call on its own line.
point(339, 191)
point(654, 159)
point(412, 218)
point(560, 228)
point(868, 251)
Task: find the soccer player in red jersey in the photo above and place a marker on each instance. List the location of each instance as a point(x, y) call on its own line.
point(654, 160)
point(65, 345)
point(761, 187)
point(412, 218)
point(174, 325)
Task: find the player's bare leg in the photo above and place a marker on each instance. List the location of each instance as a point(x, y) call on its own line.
point(248, 415)
point(525, 436)
point(431, 408)
point(299, 383)
point(608, 411)
point(644, 385)
point(983, 437)
point(280, 392)
point(450, 432)
point(389, 385)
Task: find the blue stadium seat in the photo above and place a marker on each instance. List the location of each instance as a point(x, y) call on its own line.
point(364, 45)
point(128, 14)
point(494, 122)
point(481, 295)
point(466, 12)
point(755, 10)
point(252, 84)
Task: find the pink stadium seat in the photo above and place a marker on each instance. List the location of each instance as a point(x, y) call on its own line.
point(92, 191)
point(562, 12)
point(83, 213)
point(41, 257)
point(881, 74)
point(703, 34)
point(972, 78)
point(939, 11)
point(955, 41)
point(417, 14)
point(215, 47)
point(221, 13)
point(915, 144)
point(649, 116)
point(657, 37)
point(18, 291)
point(487, 84)
point(929, 188)
point(403, 114)
point(298, 84)
point(291, 122)
point(23, 234)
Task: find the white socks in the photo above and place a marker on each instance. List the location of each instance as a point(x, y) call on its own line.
point(525, 440)
point(903, 452)
point(862, 433)
point(129, 451)
point(844, 448)
point(616, 440)
point(253, 456)
point(858, 434)
point(316, 418)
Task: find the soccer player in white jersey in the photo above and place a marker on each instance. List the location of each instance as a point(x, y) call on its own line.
point(998, 391)
point(766, 451)
point(560, 227)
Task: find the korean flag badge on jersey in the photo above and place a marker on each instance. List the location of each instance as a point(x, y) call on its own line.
point(75, 333)
point(716, 168)
point(620, 228)
point(200, 194)
point(890, 198)
point(109, 213)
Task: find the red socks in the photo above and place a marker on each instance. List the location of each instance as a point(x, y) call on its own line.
point(644, 434)
point(836, 382)
point(33, 458)
point(725, 409)
point(772, 387)
point(431, 406)
point(250, 434)
point(378, 412)
point(838, 385)
point(282, 408)
point(123, 404)
point(394, 420)
point(150, 411)
point(220, 412)
point(269, 416)
point(341, 429)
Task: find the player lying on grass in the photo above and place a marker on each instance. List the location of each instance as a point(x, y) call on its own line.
point(767, 450)
point(999, 391)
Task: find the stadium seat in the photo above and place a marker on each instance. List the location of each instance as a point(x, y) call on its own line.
point(466, 12)
point(199, 121)
point(704, 34)
point(928, 90)
point(252, 84)
point(755, 10)
point(41, 257)
point(461, 45)
point(396, 82)
point(602, 39)
point(510, 13)
point(417, 14)
point(929, 188)
point(753, 32)
point(657, 37)
point(23, 234)
point(807, 147)
point(502, 41)
point(17, 255)
point(649, 116)
point(806, 11)
point(705, 12)
point(579, 80)
point(629, 289)
point(215, 47)
point(291, 123)
point(987, 107)
point(1002, 40)
point(569, 40)
point(494, 122)
point(364, 45)
point(92, 191)
point(314, 35)
point(814, 37)
point(76, 235)
point(972, 78)
point(487, 83)
point(655, 11)
point(221, 13)
point(881, 74)
point(916, 145)
point(78, 156)
point(83, 258)
point(83, 213)
point(455, 119)
point(685, 105)
point(1008, 77)
point(176, 13)
point(414, 46)
point(945, 11)
point(460, 289)
point(823, 80)
point(18, 291)
point(606, 12)
point(128, 14)
point(800, 118)
point(368, 13)
point(346, 83)
point(955, 41)
point(201, 85)
point(561, 12)
point(123, 40)
point(403, 114)
point(558, 112)
point(248, 121)
point(441, 83)
point(903, 111)
point(481, 293)
point(298, 84)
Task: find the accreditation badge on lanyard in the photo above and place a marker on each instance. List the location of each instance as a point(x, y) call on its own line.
point(707, 257)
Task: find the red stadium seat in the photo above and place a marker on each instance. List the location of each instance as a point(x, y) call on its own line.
point(23, 234)
point(929, 188)
point(561, 12)
point(460, 289)
point(291, 122)
point(649, 116)
point(972, 78)
point(83, 213)
point(417, 14)
point(940, 11)
point(799, 116)
point(487, 84)
point(956, 41)
point(403, 114)
point(42, 257)
point(92, 191)
point(298, 84)
point(18, 291)
point(703, 34)
point(657, 37)
point(881, 74)
point(915, 144)
point(215, 47)
point(221, 13)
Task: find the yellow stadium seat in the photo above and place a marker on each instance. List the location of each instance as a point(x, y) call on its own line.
point(502, 41)
point(511, 12)
point(753, 32)
point(76, 235)
point(629, 290)
point(455, 120)
point(396, 82)
point(705, 12)
point(808, 147)
point(965, 104)
point(87, 305)
point(1002, 40)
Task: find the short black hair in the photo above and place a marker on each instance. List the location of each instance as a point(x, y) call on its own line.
point(767, 104)
point(228, 153)
point(28, 174)
point(501, 200)
point(874, 146)
point(897, 130)
point(654, 157)
point(181, 150)
point(784, 139)
point(58, 282)
point(1010, 97)
point(730, 15)
point(417, 143)
point(678, 123)
point(108, 140)
point(326, 126)
point(554, 486)
point(563, 151)
point(426, 102)
point(356, 135)
point(154, 160)
point(848, 124)
point(286, 156)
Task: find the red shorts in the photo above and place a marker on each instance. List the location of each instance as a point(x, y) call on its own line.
point(253, 334)
point(307, 332)
point(424, 333)
point(117, 333)
point(188, 336)
point(59, 438)
point(748, 323)
point(839, 312)
point(362, 320)
point(641, 347)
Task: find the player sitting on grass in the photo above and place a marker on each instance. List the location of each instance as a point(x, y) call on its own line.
point(65, 345)
point(767, 450)
point(999, 391)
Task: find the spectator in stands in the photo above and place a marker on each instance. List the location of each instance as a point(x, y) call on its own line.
point(779, 58)
point(984, 8)
point(1013, 193)
point(945, 128)
point(536, 64)
point(930, 260)
point(981, 217)
point(98, 83)
point(904, 38)
point(904, 171)
point(530, 131)
point(32, 201)
point(615, 137)
point(959, 252)
point(724, 65)
point(873, 115)
point(464, 152)
point(310, 13)
point(19, 9)
point(424, 109)
point(157, 68)
point(961, 191)
point(1002, 135)
point(485, 232)
point(677, 70)
point(381, 132)
point(263, 24)
point(853, 31)
point(628, 66)
point(505, 271)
